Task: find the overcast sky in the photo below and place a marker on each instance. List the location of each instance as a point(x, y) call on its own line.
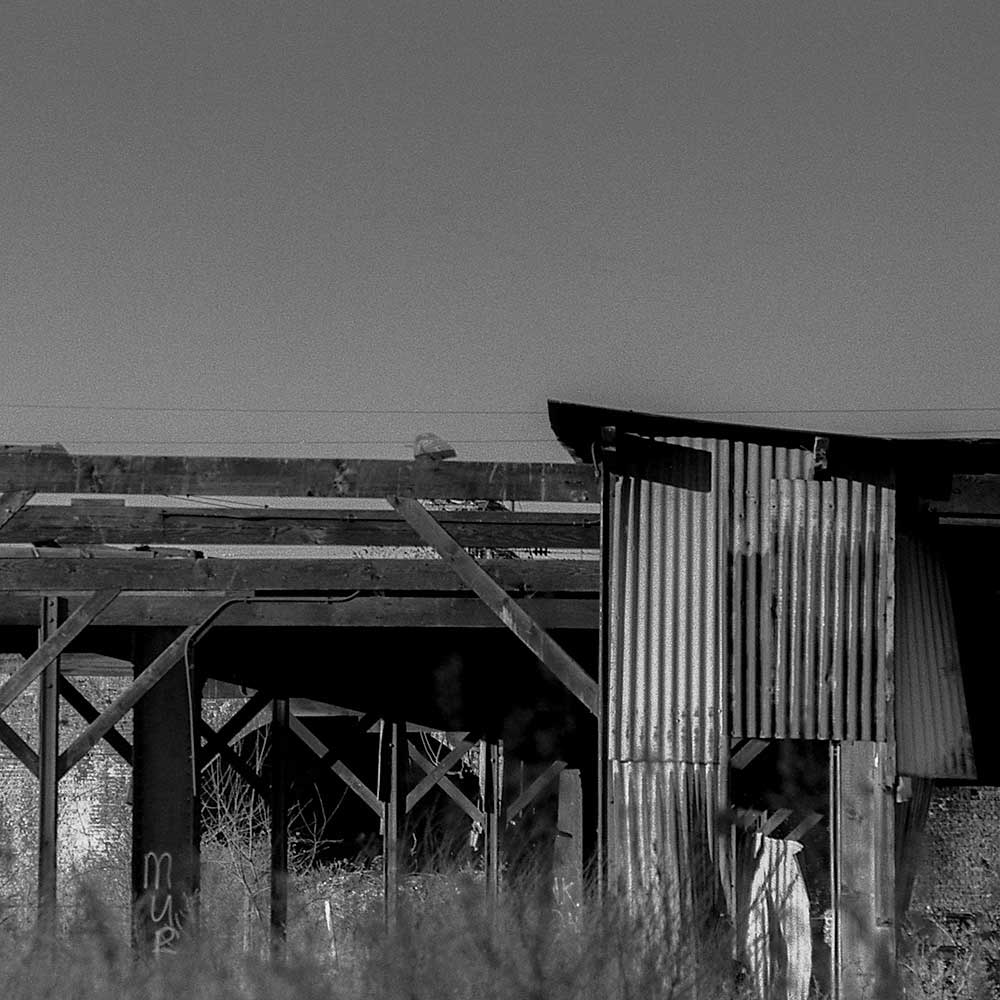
point(476, 206)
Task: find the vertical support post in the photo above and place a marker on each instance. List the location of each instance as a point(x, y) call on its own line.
point(568, 857)
point(492, 758)
point(53, 613)
point(863, 871)
point(165, 805)
point(604, 652)
point(279, 826)
point(392, 776)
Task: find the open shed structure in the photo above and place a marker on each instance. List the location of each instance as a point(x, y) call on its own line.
point(423, 637)
point(797, 638)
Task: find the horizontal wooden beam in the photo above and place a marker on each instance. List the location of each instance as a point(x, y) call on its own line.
point(148, 610)
point(971, 496)
point(56, 576)
point(87, 524)
point(48, 471)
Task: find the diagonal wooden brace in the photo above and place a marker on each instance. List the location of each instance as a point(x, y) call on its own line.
point(117, 710)
point(11, 503)
point(12, 740)
point(340, 769)
point(54, 645)
point(448, 786)
point(244, 714)
point(231, 757)
point(429, 780)
point(552, 655)
point(535, 789)
point(76, 698)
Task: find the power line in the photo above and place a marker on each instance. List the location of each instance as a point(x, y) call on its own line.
point(375, 411)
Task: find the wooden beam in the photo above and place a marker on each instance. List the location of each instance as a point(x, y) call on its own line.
point(971, 496)
point(117, 710)
point(447, 786)
point(339, 768)
point(181, 609)
point(551, 654)
point(90, 524)
point(76, 698)
point(441, 769)
point(231, 758)
point(11, 739)
point(61, 575)
point(535, 789)
point(242, 717)
point(747, 752)
point(46, 471)
point(56, 642)
point(11, 504)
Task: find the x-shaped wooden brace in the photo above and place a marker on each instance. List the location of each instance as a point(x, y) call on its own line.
point(436, 774)
point(217, 744)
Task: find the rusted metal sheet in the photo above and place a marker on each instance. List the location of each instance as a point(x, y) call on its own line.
point(814, 637)
point(933, 735)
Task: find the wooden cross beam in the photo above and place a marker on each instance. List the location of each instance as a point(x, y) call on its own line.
point(535, 789)
point(339, 768)
point(117, 710)
point(446, 785)
point(429, 780)
point(12, 740)
point(230, 757)
point(54, 645)
point(243, 715)
point(76, 698)
point(13, 502)
point(551, 654)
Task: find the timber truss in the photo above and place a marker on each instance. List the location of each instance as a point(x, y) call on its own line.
point(101, 562)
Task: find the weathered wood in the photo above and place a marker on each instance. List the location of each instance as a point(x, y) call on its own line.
point(568, 849)
point(243, 716)
point(11, 503)
point(59, 472)
point(11, 739)
point(79, 701)
point(971, 496)
point(117, 710)
point(402, 612)
point(535, 789)
point(54, 644)
point(231, 758)
point(429, 780)
point(339, 768)
point(551, 654)
point(746, 753)
point(65, 575)
point(279, 826)
point(90, 524)
point(447, 786)
point(53, 614)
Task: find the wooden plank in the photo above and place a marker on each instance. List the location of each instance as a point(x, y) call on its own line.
point(567, 862)
point(55, 644)
point(78, 700)
point(340, 769)
point(392, 612)
point(62, 575)
point(11, 504)
point(429, 780)
point(971, 496)
point(535, 789)
point(242, 717)
point(90, 524)
point(117, 710)
point(11, 739)
point(231, 758)
point(46, 471)
point(747, 753)
point(447, 786)
point(552, 655)
point(53, 614)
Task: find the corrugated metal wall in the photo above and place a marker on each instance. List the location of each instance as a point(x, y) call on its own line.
point(822, 672)
point(933, 736)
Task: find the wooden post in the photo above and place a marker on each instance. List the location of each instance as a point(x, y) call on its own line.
point(392, 774)
point(568, 855)
point(863, 871)
point(279, 826)
point(53, 612)
point(492, 761)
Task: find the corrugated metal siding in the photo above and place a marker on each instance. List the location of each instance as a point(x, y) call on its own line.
point(933, 736)
point(667, 618)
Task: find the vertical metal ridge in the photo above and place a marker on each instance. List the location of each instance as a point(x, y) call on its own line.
point(932, 725)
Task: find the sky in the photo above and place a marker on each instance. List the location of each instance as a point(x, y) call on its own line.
point(319, 229)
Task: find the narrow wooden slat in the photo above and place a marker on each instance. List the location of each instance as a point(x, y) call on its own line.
point(774, 820)
point(231, 758)
point(448, 786)
point(89, 525)
point(535, 789)
point(429, 780)
point(552, 655)
point(61, 574)
point(12, 503)
point(116, 711)
point(48, 471)
point(55, 644)
point(808, 822)
point(243, 716)
point(78, 700)
point(747, 753)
